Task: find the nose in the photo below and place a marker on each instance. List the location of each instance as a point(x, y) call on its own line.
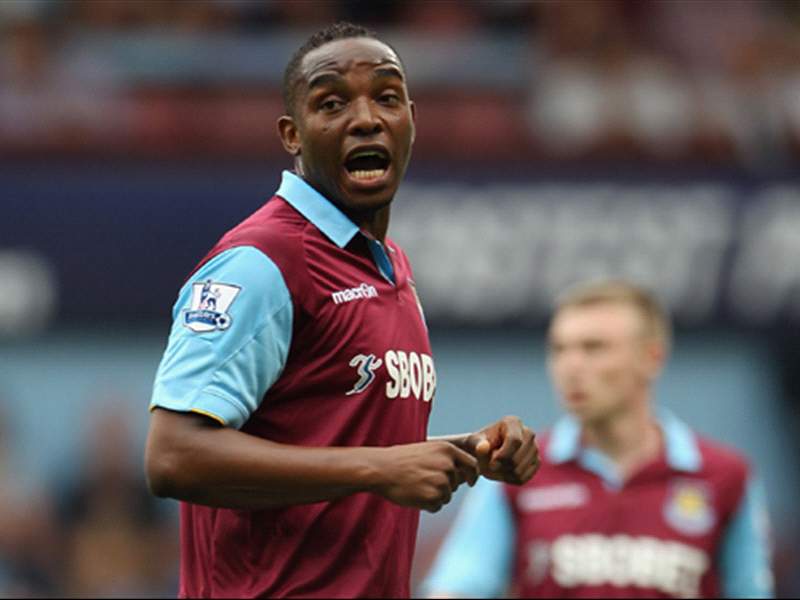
point(364, 120)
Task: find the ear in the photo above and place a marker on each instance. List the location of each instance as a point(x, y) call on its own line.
point(413, 108)
point(656, 357)
point(289, 134)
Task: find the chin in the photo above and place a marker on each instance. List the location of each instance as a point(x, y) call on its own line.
point(580, 413)
point(584, 413)
point(368, 202)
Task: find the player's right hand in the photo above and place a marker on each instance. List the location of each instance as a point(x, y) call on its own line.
point(424, 475)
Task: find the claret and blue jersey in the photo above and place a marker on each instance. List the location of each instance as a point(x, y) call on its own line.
point(691, 524)
point(299, 328)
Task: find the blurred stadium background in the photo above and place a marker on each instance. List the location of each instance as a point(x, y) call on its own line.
point(556, 141)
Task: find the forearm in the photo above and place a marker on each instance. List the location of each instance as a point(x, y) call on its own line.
point(219, 466)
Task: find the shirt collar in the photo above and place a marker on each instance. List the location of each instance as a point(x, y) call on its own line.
point(315, 207)
point(682, 452)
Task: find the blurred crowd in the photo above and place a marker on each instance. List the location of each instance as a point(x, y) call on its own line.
point(95, 531)
point(675, 80)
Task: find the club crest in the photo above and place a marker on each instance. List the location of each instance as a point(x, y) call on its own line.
point(689, 508)
point(209, 306)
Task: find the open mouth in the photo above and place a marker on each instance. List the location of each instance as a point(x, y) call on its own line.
point(576, 397)
point(366, 165)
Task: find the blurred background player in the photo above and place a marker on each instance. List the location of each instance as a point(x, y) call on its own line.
point(290, 410)
point(629, 502)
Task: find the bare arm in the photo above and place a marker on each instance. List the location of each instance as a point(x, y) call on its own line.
point(189, 457)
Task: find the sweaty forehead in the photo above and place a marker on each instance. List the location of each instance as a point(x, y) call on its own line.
point(341, 56)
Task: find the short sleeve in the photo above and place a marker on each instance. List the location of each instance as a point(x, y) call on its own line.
point(476, 556)
point(745, 552)
point(230, 337)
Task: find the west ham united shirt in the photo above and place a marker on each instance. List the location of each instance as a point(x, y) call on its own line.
point(692, 524)
point(299, 328)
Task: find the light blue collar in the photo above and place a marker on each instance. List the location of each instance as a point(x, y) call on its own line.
point(681, 448)
point(315, 207)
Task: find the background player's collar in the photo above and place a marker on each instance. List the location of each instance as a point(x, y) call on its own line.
point(315, 207)
point(565, 440)
point(680, 443)
point(682, 451)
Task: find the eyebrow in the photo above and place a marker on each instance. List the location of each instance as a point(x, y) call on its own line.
point(388, 72)
point(333, 78)
point(324, 79)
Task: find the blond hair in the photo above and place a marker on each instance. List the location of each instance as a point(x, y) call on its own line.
point(655, 318)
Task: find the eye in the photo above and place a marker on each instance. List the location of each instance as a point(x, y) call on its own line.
point(331, 104)
point(389, 98)
point(593, 346)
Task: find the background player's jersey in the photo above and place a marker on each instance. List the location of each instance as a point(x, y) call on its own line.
point(300, 329)
point(691, 524)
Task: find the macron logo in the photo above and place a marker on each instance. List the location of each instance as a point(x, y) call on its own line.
point(360, 292)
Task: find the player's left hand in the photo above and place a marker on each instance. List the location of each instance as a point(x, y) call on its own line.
point(506, 451)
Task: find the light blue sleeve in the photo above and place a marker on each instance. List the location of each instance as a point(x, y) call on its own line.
point(745, 553)
point(476, 556)
point(230, 336)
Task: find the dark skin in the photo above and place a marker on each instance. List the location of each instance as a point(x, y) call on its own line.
point(352, 97)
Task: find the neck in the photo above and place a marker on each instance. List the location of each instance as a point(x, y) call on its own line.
point(630, 439)
point(375, 223)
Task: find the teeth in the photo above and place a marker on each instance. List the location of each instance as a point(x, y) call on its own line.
point(371, 174)
point(367, 153)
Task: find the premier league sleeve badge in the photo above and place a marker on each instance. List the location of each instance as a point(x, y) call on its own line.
point(208, 310)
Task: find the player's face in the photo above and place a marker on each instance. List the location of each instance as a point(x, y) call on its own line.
point(354, 124)
point(600, 361)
